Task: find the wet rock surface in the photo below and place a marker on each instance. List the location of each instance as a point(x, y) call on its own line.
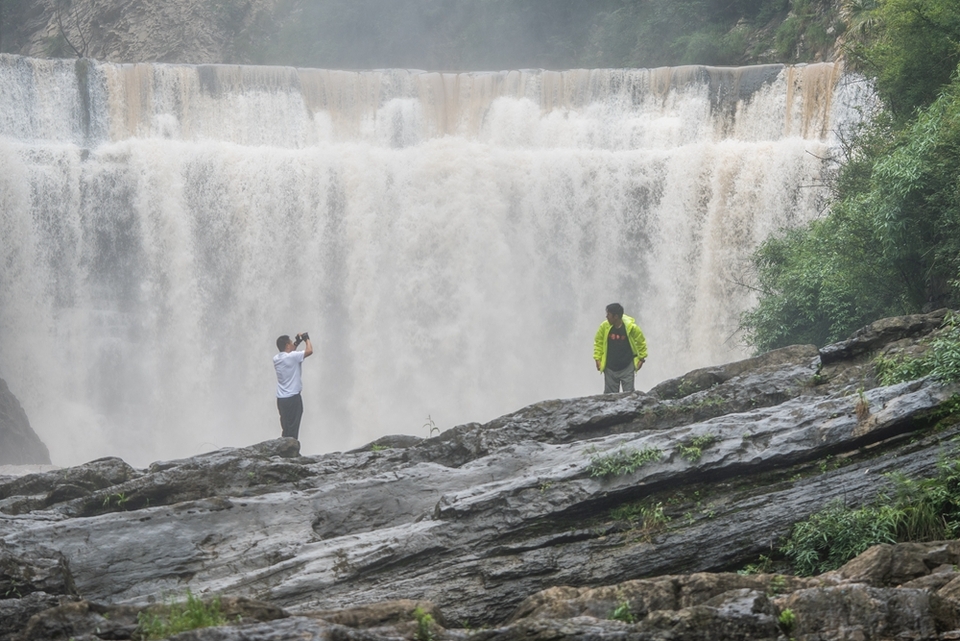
point(504, 531)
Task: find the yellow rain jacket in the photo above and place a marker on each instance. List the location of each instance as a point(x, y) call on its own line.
point(637, 342)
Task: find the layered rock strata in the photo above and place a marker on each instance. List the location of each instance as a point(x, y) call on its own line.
point(484, 525)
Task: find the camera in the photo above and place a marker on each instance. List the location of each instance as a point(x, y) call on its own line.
point(300, 338)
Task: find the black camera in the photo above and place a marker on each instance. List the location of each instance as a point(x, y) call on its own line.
point(300, 338)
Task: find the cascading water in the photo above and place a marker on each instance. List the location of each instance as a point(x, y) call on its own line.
point(449, 240)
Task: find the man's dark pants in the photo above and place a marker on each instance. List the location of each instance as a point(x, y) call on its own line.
point(291, 410)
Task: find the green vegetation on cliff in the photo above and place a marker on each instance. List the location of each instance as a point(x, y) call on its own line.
point(917, 510)
point(471, 34)
point(891, 244)
point(554, 34)
point(180, 617)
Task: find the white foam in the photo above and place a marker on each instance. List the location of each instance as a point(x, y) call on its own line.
point(450, 242)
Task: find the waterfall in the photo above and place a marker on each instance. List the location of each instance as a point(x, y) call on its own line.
point(450, 241)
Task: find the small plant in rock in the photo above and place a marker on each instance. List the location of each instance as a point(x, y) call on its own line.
point(818, 377)
point(692, 450)
point(777, 585)
point(622, 612)
point(828, 463)
point(863, 406)
point(14, 590)
point(763, 565)
point(424, 624)
point(686, 388)
point(119, 499)
point(431, 426)
point(623, 461)
point(652, 518)
point(376, 451)
point(930, 507)
point(180, 617)
point(787, 620)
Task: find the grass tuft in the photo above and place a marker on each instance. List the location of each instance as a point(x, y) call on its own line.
point(189, 615)
point(623, 461)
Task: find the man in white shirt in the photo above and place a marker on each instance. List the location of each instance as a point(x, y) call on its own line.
point(288, 363)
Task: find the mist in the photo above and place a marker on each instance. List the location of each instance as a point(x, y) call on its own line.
point(449, 241)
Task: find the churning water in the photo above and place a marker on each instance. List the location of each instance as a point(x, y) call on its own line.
point(449, 240)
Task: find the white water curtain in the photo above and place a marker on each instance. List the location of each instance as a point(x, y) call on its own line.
point(450, 241)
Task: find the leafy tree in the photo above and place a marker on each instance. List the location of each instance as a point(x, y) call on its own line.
point(911, 47)
point(890, 246)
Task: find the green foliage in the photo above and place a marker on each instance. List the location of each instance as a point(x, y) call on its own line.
point(622, 612)
point(763, 565)
point(181, 617)
point(623, 461)
point(919, 510)
point(787, 620)
point(424, 624)
point(788, 36)
point(948, 413)
point(931, 507)
point(944, 355)
point(652, 517)
point(778, 585)
point(119, 499)
point(692, 450)
point(891, 243)
point(911, 47)
point(897, 369)
point(818, 284)
point(941, 361)
point(836, 534)
point(890, 246)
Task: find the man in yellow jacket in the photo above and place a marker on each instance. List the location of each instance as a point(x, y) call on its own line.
point(619, 350)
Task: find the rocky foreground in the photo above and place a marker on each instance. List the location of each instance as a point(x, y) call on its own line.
point(505, 530)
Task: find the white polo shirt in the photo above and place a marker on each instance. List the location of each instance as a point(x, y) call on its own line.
point(288, 366)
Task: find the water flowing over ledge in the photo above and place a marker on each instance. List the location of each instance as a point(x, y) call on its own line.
point(86, 102)
point(449, 240)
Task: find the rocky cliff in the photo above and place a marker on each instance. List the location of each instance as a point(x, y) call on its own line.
point(133, 31)
point(19, 444)
point(518, 528)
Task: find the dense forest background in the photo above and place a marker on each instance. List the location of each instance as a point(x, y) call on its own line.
point(459, 34)
point(553, 34)
point(890, 244)
point(890, 241)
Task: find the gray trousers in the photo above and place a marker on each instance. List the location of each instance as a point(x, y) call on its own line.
point(612, 380)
